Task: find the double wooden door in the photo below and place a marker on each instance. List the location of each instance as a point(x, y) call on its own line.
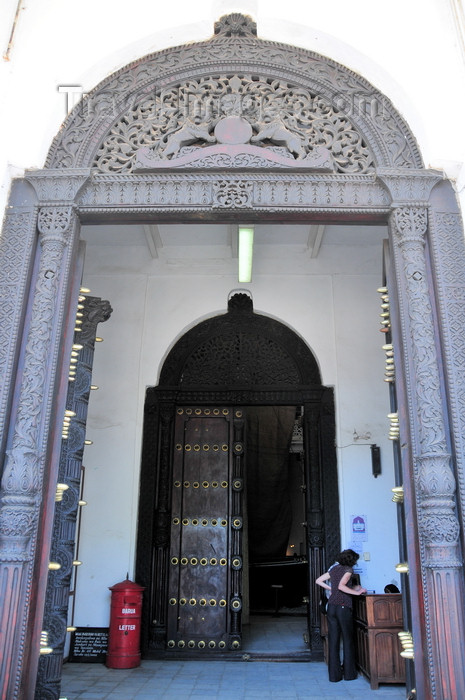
point(205, 561)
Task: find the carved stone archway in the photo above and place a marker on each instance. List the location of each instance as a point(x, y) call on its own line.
point(275, 132)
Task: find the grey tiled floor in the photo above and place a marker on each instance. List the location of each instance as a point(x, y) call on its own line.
point(225, 680)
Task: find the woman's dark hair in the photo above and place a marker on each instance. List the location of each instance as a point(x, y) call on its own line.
point(348, 557)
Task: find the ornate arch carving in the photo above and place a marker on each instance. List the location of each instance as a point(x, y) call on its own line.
point(293, 108)
point(240, 349)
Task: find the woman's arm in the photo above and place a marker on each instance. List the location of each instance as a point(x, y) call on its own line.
point(321, 581)
point(357, 590)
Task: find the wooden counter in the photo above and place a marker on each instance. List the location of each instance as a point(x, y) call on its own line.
point(377, 620)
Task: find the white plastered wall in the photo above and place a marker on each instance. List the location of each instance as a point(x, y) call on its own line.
point(333, 306)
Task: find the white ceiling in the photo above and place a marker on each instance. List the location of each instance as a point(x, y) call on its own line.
point(209, 239)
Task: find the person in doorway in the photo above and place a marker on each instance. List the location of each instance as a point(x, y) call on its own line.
point(339, 615)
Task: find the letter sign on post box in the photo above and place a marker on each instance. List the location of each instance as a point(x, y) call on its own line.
point(125, 616)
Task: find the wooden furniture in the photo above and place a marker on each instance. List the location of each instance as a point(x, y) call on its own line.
point(377, 620)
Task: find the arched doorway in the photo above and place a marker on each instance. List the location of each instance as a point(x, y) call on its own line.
point(239, 380)
point(344, 160)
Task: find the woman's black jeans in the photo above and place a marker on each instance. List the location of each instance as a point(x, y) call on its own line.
point(340, 623)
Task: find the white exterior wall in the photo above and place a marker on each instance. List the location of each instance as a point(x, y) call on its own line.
point(410, 51)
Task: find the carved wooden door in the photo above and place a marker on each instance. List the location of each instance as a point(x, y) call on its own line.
point(205, 570)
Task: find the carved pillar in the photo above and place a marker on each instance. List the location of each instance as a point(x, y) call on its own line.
point(17, 247)
point(94, 311)
point(29, 460)
point(448, 261)
point(439, 639)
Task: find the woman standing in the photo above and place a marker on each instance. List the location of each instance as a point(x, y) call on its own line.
point(339, 614)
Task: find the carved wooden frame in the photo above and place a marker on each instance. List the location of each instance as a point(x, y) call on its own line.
point(39, 250)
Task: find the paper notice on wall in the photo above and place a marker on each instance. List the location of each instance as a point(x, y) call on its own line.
point(358, 528)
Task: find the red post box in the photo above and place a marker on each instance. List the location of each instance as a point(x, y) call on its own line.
point(124, 637)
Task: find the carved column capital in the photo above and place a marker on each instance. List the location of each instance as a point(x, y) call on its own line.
point(59, 186)
point(409, 187)
point(54, 222)
point(410, 224)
